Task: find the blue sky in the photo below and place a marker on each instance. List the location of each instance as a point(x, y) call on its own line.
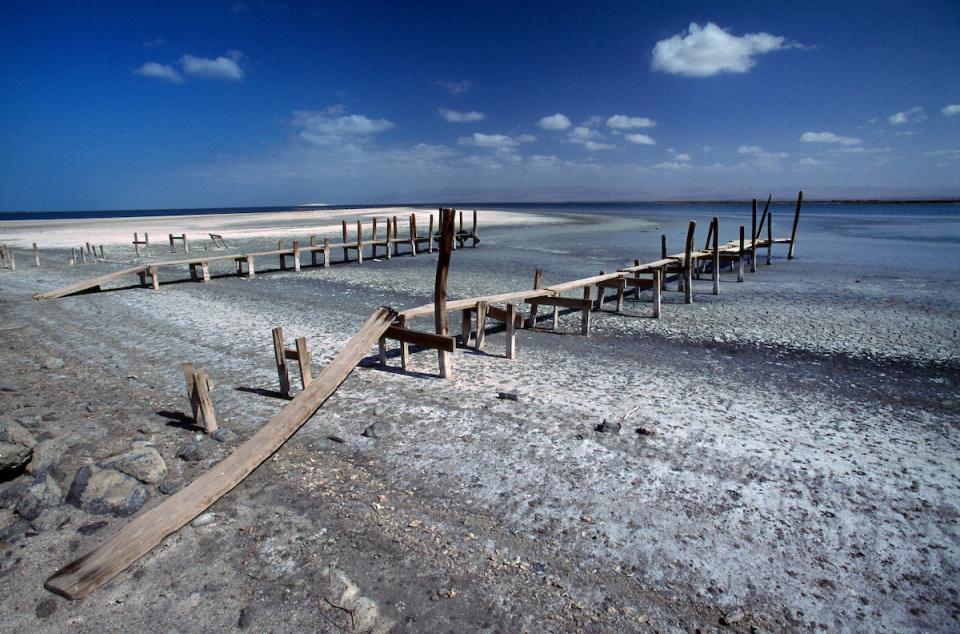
point(156, 105)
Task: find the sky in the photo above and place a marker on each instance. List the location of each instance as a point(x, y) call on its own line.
point(126, 105)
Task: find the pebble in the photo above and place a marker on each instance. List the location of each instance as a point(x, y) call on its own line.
point(508, 396)
point(224, 435)
point(93, 527)
point(46, 607)
point(205, 519)
point(51, 363)
point(191, 451)
point(607, 427)
point(380, 429)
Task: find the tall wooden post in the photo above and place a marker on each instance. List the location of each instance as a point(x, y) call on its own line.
point(326, 253)
point(793, 233)
point(430, 234)
point(440, 287)
point(404, 346)
point(741, 253)
point(753, 239)
point(296, 256)
point(657, 288)
point(585, 313)
point(663, 246)
point(511, 331)
point(313, 253)
point(537, 280)
point(715, 259)
point(283, 258)
point(346, 251)
point(36, 255)
point(281, 359)
point(688, 265)
point(396, 237)
point(373, 239)
point(359, 242)
point(186, 245)
point(481, 325)
point(388, 240)
point(198, 391)
point(136, 244)
point(770, 238)
point(413, 233)
point(474, 232)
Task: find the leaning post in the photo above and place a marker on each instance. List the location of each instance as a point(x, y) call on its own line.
point(753, 239)
point(793, 233)
point(440, 287)
point(715, 259)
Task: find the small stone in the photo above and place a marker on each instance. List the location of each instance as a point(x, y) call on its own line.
point(51, 362)
point(204, 519)
point(36, 495)
point(93, 527)
point(9, 387)
point(606, 427)
point(16, 447)
point(45, 454)
point(646, 431)
point(90, 408)
point(191, 451)
point(224, 435)
point(170, 486)
point(508, 396)
point(106, 492)
point(46, 607)
point(143, 463)
point(732, 617)
point(380, 429)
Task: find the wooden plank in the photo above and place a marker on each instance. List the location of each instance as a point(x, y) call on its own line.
point(585, 313)
point(481, 320)
point(84, 575)
point(753, 239)
point(715, 261)
point(460, 304)
point(500, 314)
point(280, 356)
point(587, 281)
point(440, 288)
point(404, 346)
point(511, 321)
point(563, 302)
point(303, 361)
point(443, 343)
point(793, 233)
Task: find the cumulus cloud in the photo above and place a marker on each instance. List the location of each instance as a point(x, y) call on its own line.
point(917, 113)
point(673, 165)
point(953, 155)
point(623, 122)
point(682, 157)
point(333, 127)
point(951, 110)
point(555, 122)
point(455, 87)
point(809, 162)
point(159, 71)
point(479, 139)
point(455, 116)
point(581, 134)
point(829, 137)
point(640, 139)
point(594, 146)
point(709, 50)
point(224, 67)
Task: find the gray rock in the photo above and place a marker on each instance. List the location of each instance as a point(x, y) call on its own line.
point(9, 387)
point(170, 486)
point(45, 455)
point(51, 363)
point(93, 527)
point(606, 427)
point(106, 492)
point(204, 519)
point(46, 607)
point(224, 435)
point(12, 527)
point(36, 495)
point(16, 447)
point(143, 463)
point(508, 396)
point(380, 429)
point(191, 451)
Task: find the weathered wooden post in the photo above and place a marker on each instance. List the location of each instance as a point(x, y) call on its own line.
point(440, 288)
point(13, 260)
point(73, 257)
point(313, 251)
point(715, 259)
point(186, 244)
point(389, 240)
point(154, 279)
point(600, 296)
point(326, 253)
point(512, 331)
point(36, 255)
point(481, 324)
point(136, 244)
point(585, 313)
point(474, 232)
point(250, 267)
point(793, 233)
point(413, 233)
point(663, 246)
point(753, 239)
point(404, 346)
point(373, 239)
point(283, 259)
point(173, 248)
point(688, 264)
point(198, 391)
point(430, 233)
point(280, 357)
point(83, 256)
point(296, 256)
point(359, 242)
point(102, 256)
point(466, 326)
point(537, 280)
point(657, 286)
point(741, 253)
point(396, 237)
point(346, 251)
point(770, 238)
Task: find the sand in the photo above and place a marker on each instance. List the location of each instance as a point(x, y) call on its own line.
point(798, 468)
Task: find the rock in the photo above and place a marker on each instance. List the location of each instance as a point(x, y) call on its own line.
point(508, 396)
point(380, 429)
point(16, 447)
point(646, 431)
point(93, 527)
point(732, 617)
point(91, 408)
point(46, 607)
point(37, 495)
point(143, 463)
point(170, 486)
point(12, 527)
point(45, 455)
point(343, 593)
point(51, 363)
point(191, 451)
point(224, 435)
point(106, 492)
point(606, 427)
point(9, 387)
point(204, 519)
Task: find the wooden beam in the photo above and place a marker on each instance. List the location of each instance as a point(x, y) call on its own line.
point(564, 302)
point(443, 343)
point(303, 361)
point(280, 356)
point(404, 346)
point(440, 288)
point(95, 568)
point(793, 233)
point(481, 320)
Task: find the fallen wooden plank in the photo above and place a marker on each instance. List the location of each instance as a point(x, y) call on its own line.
point(81, 577)
point(89, 283)
point(419, 338)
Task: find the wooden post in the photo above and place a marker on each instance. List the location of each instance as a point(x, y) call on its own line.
point(303, 360)
point(296, 256)
point(657, 282)
point(404, 346)
point(136, 244)
point(512, 331)
point(793, 233)
point(537, 280)
point(585, 314)
point(186, 245)
point(770, 238)
point(600, 296)
point(281, 359)
point(102, 256)
point(636, 289)
point(283, 259)
point(146, 241)
point(13, 260)
point(715, 259)
point(73, 257)
point(326, 253)
point(359, 242)
point(481, 322)
point(205, 269)
point(36, 255)
point(313, 252)
point(83, 256)
point(198, 391)
point(346, 251)
point(173, 248)
point(740, 252)
point(430, 233)
point(763, 216)
point(556, 319)
point(440, 288)
point(382, 351)
point(373, 239)
point(620, 293)
point(474, 232)
point(413, 233)
point(753, 239)
point(193, 271)
point(154, 280)
point(250, 271)
point(389, 240)
point(460, 233)
point(688, 265)
point(466, 326)
point(396, 237)
point(663, 246)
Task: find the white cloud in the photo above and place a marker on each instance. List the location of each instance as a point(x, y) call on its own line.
point(682, 157)
point(953, 155)
point(223, 67)
point(861, 150)
point(333, 127)
point(749, 149)
point(673, 165)
point(526, 138)
point(455, 87)
point(809, 162)
point(951, 110)
point(478, 139)
point(593, 146)
point(829, 137)
point(542, 161)
point(581, 134)
point(623, 122)
point(709, 50)
point(555, 122)
point(640, 139)
point(915, 114)
point(159, 71)
point(455, 116)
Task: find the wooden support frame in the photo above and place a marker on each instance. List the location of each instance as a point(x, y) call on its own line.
point(199, 386)
point(183, 239)
point(137, 242)
point(299, 353)
point(537, 282)
point(218, 241)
